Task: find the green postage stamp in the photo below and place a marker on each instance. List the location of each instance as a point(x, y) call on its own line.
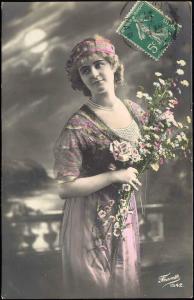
point(149, 29)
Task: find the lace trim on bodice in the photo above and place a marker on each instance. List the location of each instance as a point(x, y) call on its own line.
point(130, 133)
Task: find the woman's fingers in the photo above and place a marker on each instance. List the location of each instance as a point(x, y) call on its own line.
point(133, 170)
point(137, 181)
point(133, 185)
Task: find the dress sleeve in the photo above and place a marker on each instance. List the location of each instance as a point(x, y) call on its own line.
point(138, 112)
point(68, 156)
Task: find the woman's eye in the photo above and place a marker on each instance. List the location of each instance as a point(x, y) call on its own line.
point(85, 71)
point(99, 64)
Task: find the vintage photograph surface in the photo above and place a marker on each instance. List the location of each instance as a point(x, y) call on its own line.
point(97, 150)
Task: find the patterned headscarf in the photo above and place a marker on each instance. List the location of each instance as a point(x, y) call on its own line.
point(88, 46)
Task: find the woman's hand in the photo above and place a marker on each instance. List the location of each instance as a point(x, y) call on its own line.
point(128, 176)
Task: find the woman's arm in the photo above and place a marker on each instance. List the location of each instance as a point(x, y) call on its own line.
point(88, 185)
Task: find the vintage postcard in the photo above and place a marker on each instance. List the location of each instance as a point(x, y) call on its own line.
point(97, 150)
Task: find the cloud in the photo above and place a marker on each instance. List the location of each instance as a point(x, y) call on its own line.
point(22, 178)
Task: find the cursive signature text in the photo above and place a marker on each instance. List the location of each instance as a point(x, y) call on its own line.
point(172, 280)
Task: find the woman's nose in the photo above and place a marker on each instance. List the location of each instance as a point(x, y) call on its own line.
point(94, 72)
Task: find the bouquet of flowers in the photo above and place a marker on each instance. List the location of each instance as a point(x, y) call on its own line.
point(162, 139)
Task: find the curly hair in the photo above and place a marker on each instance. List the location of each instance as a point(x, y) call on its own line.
point(74, 76)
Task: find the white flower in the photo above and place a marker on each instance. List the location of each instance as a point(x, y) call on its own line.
point(148, 145)
point(117, 232)
point(126, 187)
point(188, 119)
point(183, 136)
point(139, 94)
point(123, 202)
point(124, 210)
point(145, 128)
point(184, 82)
point(181, 62)
point(147, 137)
point(168, 141)
point(161, 81)
point(180, 125)
point(179, 71)
point(156, 136)
point(171, 105)
point(179, 138)
point(116, 225)
point(158, 74)
point(147, 96)
point(170, 93)
point(155, 166)
point(158, 111)
point(156, 84)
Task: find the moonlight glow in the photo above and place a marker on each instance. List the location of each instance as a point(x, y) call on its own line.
point(33, 37)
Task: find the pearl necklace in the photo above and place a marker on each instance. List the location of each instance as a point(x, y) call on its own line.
point(95, 105)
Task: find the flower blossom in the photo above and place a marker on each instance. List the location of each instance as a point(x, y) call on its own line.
point(173, 101)
point(169, 117)
point(117, 232)
point(124, 210)
point(126, 187)
point(162, 81)
point(184, 82)
point(116, 225)
point(180, 125)
point(102, 214)
point(123, 202)
point(121, 151)
point(139, 94)
point(158, 74)
point(181, 62)
point(156, 84)
point(188, 119)
point(179, 71)
point(170, 93)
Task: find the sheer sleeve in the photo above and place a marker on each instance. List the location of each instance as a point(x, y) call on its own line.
point(68, 156)
point(138, 112)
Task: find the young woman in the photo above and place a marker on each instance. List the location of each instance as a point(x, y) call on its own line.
point(86, 176)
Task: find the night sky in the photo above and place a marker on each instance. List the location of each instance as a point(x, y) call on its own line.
point(37, 98)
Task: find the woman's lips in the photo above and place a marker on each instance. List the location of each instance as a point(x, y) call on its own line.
point(97, 81)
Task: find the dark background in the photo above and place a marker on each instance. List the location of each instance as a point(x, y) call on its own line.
point(37, 100)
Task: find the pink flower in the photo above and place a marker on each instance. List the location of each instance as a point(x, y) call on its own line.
point(173, 101)
point(121, 151)
point(169, 117)
point(102, 214)
point(157, 145)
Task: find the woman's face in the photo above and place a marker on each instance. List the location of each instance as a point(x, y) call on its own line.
point(97, 74)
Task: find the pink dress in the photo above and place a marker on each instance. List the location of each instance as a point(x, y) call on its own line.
point(90, 270)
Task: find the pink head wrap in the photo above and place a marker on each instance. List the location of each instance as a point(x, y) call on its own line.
point(87, 46)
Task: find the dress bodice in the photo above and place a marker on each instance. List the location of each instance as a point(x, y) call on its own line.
point(130, 133)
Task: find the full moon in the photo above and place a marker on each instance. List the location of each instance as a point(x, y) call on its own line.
point(33, 37)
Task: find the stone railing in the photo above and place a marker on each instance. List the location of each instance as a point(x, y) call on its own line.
point(35, 231)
